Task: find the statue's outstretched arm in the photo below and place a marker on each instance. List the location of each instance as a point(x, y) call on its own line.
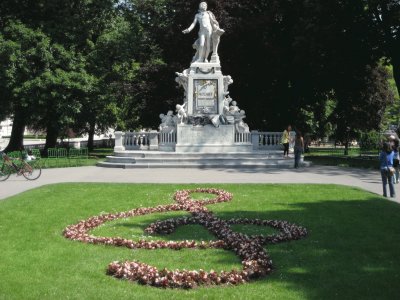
point(190, 28)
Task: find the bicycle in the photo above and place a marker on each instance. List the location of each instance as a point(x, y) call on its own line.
point(29, 171)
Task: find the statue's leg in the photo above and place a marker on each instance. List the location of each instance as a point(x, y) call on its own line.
point(207, 46)
point(201, 48)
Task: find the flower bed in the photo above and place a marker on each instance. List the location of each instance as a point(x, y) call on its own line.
point(255, 260)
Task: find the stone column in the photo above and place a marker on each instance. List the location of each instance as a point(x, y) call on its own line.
point(119, 141)
point(153, 138)
point(255, 139)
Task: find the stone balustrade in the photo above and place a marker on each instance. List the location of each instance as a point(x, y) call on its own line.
point(136, 140)
point(263, 140)
point(166, 141)
point(266, 140)
point(243, 138)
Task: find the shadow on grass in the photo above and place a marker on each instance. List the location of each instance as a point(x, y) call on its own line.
point(351, 251)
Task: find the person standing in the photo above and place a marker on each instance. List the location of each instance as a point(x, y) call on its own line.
point(395, 147)
point(298, 149)
point(286, 140)
point(386, 167)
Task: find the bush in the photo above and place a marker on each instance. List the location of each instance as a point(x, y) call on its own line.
point(370, 140)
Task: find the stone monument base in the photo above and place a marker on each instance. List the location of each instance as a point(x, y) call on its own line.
point(209, 139)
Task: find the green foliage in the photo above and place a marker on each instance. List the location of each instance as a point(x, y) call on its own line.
point(392, 113)
point(86, 54)
point(370, 140)
point(286, 58)
point(315, 119)
point(90, 65)
point(361, 106)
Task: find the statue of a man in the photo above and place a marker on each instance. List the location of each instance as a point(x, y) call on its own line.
point(209, 34)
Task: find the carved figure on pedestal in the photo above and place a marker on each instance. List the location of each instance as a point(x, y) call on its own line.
point(209, 35)
point(234, 108)
point(181, 113)
point(168, 122)
point(163, 120)
point(183, 80)
point(227, 81)
point(227, 101)
point(240, 125)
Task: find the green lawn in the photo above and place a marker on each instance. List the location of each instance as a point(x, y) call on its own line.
point(94, 157)
point(352, 251)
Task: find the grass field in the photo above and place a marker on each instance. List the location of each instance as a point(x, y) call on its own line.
point(352, 251)
point(94, 157)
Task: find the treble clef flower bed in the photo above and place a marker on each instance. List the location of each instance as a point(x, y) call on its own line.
point(255, 260)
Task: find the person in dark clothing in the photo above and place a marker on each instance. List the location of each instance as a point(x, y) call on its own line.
point(386, 167)
point(298, 148)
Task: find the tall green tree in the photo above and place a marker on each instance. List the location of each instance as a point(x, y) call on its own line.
point(284, 55)
point(42, 82)
point(361, 108)
point(385, 16)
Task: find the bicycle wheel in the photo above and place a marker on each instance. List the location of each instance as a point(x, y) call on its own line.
point(5, 172)
point(31, 172)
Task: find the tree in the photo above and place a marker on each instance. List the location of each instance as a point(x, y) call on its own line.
point(24, 55)
point(290, 60)
point(385, 16)
point(284, 55)
point(361, 107)
point(43, 82)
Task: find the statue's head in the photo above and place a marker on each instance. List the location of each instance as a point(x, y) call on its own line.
point(203, 6)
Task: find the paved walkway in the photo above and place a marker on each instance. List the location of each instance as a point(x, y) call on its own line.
point(366, 179)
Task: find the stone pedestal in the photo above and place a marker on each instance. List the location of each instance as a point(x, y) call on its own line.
point(208, 139)
point(119, 141)
point(153, 140)
point(205, 89)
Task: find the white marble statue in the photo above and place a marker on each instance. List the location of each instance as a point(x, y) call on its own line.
point(209, 35)
point(183, 80)
point(181, 113)
point(227, 81)
point(240, 125)
point(227, 101)
point(168, 122)
point(233, 109)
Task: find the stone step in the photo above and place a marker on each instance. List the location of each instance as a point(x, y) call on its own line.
point(197, 165)
point(215, 160)
point(159, 159)
point(158, 154)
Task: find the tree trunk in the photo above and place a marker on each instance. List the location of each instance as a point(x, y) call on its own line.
point(91, 136)
point(51, 136)
point(17, 133)
point(346, 147)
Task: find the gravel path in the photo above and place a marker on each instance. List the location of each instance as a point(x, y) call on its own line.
point(366, 179)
